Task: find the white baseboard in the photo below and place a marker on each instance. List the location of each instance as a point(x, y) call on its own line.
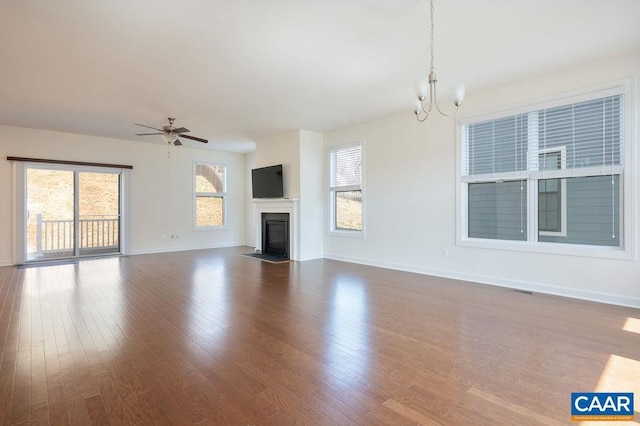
point(594, 296)
point(10, 262)
point(311, 256)
point(183, 248)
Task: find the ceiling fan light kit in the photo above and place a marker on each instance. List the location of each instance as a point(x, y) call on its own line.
point(170, 138)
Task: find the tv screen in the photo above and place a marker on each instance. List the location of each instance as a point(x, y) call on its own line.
point(267, 182)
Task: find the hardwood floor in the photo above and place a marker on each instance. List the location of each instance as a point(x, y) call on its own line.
point(212, 337)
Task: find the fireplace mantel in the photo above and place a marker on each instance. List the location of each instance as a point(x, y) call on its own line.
point(279, 205)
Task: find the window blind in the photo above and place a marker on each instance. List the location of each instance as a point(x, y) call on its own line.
point(346, 168)
point(589, 133)
point(496, 147)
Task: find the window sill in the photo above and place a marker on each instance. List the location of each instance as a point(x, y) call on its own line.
point(348, 234)
point(601, 252)
point(211, 228)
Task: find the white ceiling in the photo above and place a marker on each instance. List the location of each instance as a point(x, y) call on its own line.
point(238, 71)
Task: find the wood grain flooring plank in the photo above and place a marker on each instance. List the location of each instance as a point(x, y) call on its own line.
point(271, 371)
point(350, 408)
point(410, 414)
point(7, 389)
point(516, 408)
point(96, 410)
point(194, 412)
point(77, 411)
point(284, 402)
point(327, 411)
point(112, 404)
point(10, 303)
point(173, 408)
point(17, 376)
point(153, 408)
point(217, 406)
point(382, 415)
point(39, 413)
point(58, 414)
point(250, 405)
point(55, 388)
point(125, 392)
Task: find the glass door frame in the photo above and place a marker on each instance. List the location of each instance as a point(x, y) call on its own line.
point(20, 201)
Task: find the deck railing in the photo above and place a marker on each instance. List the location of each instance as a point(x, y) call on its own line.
point(94, 231)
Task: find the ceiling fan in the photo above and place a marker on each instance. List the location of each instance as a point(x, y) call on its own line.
point(171, 134)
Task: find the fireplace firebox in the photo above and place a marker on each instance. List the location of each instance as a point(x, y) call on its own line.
point(275, 234)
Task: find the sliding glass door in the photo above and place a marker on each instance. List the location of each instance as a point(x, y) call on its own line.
point(50, 214)
point(71, 213)
point(98, 213)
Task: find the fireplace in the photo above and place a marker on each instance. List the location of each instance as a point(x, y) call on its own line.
point(284, 206)
point(275, 234)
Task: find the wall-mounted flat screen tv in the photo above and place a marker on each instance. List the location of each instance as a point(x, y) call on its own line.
point(267, 182)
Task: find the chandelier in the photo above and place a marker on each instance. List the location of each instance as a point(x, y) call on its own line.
point(423, 108)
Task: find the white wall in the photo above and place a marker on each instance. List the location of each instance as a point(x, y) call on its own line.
point(160, 187)
point(283, 149)
point(410, 189)
point(311, 195)
point(250, 208)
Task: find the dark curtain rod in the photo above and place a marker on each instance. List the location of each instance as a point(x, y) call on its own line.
point(72, 163)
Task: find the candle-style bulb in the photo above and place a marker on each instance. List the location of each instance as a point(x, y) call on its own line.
point(422, 86)
point(459, 94)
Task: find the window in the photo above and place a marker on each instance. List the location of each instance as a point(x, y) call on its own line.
point(345, 187)
point(552, 200)
point(551, 175)
point(210, 189)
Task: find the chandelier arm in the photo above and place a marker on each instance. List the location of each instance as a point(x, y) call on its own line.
point(445, 114)
point(428, 110)
point(431, 102)
point(434, 99)
point(423, 119)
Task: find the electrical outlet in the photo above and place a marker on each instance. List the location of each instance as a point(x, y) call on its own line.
point(163, 236)
point(445, 252)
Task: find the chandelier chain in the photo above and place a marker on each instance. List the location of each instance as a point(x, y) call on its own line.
point(426, 88)
point(432, 65)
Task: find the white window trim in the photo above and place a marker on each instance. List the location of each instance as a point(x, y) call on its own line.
point(222, 195)
point(563, 191)
point(331, 193)
point(628, 210)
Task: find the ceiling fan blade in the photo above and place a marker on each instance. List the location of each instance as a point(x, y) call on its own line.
point(177, 142)
point(181, 130)
point(148, 127)
point(147, 134)
point(193, 138)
